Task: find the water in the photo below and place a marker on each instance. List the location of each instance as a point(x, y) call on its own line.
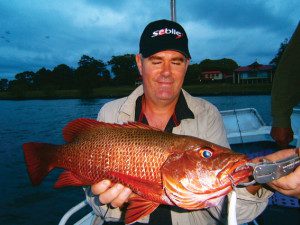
point(43, 120)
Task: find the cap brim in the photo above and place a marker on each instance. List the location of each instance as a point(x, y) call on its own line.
point(147, 52)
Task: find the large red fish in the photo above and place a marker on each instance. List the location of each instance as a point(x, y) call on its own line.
point(161, 168)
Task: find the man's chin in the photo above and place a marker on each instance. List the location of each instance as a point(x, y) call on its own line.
point(165, 94)
point(166, 97)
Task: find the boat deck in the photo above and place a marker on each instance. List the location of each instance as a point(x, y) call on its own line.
point(246, 125)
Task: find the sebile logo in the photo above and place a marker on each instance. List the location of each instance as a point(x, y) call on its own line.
point(166, 31)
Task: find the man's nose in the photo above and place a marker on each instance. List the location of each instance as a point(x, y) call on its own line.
point(166, 70)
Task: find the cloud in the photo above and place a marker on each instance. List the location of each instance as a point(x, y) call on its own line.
point(242, 30)
point(237, 14)
point(42, 33)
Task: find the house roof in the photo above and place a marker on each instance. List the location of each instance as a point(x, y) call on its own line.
point(254, 66)
point(212, 72)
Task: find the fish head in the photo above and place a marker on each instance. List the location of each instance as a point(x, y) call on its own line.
point(202, 174)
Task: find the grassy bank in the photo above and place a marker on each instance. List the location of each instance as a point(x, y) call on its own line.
point(115, 92)
point(229, 89)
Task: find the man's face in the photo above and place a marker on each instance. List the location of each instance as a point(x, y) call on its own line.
point(163, 75)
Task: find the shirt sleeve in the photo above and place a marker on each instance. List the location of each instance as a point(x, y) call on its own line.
point(286, 83)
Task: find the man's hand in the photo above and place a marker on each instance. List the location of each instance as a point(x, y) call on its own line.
point(282, 136)
point(115, 195)
point(289, 184)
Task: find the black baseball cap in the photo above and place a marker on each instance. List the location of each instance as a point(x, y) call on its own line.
point(163, 35)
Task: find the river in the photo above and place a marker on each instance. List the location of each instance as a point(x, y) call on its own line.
point(42, 121)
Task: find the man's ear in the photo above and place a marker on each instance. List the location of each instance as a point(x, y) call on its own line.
point(187, 63)
point(138, 60)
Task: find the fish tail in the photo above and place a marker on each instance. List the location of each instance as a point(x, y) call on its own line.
point(38, 160)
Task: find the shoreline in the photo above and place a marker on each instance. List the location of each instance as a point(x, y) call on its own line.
point(214, 89)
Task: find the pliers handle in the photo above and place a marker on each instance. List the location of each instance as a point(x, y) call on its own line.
point(267, 171)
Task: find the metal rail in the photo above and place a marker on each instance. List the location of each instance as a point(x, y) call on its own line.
point(173, 10)
point(73, 210)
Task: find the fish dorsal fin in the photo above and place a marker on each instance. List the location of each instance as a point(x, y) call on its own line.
point(138, 208)
point(77, 126)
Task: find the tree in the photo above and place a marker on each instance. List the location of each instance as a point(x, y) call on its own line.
point(280, 51)
point(43, 79)
point(91, 69)
point(192, 74)
point(124, 68)
point(224, 65)
point(3, 84)
point(23, 82)
point(89, 74)
point(25, 79)
point(64, 77)
point(106, 78)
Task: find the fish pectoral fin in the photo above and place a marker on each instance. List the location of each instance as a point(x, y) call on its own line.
point(138, 208)
point(67, 178)
point(151, 190)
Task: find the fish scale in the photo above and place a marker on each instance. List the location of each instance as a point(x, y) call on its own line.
point(145, 156)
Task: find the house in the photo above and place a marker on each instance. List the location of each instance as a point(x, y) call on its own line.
point(254, 73)
point(214, 75)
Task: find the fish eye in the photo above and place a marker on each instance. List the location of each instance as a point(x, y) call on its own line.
point(206, 153)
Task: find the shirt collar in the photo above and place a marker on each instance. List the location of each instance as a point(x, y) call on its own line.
point(182, 111)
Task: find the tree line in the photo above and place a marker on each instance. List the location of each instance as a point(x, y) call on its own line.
point(89, 74)
point(93, 73)
point(119, 70)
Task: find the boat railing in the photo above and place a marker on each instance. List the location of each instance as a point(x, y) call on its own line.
point(86, 220)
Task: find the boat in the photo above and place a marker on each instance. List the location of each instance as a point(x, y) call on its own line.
point(245, 130)
point(246, 125)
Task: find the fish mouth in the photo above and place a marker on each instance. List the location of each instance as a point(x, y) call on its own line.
point(239, 172)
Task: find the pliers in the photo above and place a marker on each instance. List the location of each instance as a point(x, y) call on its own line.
point(267, 171)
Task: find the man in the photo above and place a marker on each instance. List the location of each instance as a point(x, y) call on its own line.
point(286, 91)
point(160, 102)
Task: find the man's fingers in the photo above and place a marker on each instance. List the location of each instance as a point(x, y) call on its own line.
point(122, 197)
point(288, 192)
point(280, 154)
point(282, 136)
point(115, 195)
point(110, 194)
point(100, 187)
point(288, 185)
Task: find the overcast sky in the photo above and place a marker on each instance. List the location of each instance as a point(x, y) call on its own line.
point(46, 33)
